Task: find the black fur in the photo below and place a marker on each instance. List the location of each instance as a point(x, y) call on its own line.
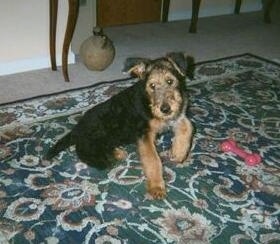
point(124, 118)
point(116, 122)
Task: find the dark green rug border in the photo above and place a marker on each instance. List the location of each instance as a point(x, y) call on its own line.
point(130, 78)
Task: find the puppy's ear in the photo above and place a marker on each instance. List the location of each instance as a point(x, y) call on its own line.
point(183, 63)
point(136, 67)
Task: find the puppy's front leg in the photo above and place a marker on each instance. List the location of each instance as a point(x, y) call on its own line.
point(152, 166)
point(182, 140)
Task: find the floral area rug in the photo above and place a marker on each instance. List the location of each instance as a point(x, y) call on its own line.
point(214, 197)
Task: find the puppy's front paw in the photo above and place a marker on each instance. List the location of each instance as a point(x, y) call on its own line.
point(179, 155)
point(157, 191)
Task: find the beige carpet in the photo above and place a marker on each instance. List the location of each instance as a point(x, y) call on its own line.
point(217, 37)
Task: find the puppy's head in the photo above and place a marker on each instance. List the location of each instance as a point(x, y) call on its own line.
point(164, 80)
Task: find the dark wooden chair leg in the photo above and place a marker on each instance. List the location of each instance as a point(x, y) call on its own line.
point(53, 21)
point(71, 23)
point(237, 6)
point(267, 6)
point(195, 11)
point(165, 10)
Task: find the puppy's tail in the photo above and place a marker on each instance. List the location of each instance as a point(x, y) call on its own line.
point(61, 145)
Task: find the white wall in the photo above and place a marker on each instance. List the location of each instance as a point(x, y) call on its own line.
point(24, 25)
point(24, 34)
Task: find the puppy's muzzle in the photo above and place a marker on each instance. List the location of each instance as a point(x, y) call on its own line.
point(165, 108)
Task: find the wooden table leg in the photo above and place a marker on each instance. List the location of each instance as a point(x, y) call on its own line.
point(53, 21)
point(267, 6)
point(195, 11)
point(71, 23)
point(165, 10)
point(237, 6)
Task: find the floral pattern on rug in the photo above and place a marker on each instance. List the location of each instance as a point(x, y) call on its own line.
point(213, 197)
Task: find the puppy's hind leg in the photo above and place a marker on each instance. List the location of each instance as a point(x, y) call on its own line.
point(120, 154)
point(93, 156)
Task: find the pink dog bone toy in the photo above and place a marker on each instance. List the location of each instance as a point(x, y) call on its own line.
point(251, 159)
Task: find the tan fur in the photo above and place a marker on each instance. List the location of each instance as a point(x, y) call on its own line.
point(151, 162)
point(182, 140)
point(163, 85)
point(163, 93)
point(120, 154)
point(160, 88)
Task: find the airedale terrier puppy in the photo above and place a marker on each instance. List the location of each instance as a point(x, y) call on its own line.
point(156, 102)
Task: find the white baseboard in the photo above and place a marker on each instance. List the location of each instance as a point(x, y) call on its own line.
point(23, 65)
point(214, 11)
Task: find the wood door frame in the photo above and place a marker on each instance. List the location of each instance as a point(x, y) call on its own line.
point(163, 14)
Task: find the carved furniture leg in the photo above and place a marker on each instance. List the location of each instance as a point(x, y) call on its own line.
point(237, 6)
point(71, 23)
point(53, 21)
point(267, 6)
point(165, 10)
point(195, 11)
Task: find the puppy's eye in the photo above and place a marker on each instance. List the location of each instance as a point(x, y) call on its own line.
point(169, 82)
point(153, 86)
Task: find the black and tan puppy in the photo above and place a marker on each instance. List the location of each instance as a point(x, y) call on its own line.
point(156, 102)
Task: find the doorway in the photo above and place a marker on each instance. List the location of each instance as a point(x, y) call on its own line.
point(123, 12)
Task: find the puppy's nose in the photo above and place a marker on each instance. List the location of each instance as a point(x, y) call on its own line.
point(165, 108)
